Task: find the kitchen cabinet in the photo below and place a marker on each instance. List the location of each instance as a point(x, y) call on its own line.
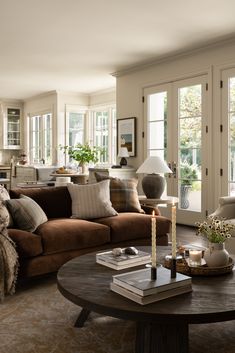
point(12, 138)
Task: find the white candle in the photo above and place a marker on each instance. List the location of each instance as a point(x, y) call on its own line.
point(173, 230)
point(154, 254)
point(195, 257)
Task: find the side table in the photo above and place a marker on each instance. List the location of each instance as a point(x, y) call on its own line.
point(167, 200)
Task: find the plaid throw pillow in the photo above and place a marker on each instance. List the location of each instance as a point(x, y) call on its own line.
point(123, 193)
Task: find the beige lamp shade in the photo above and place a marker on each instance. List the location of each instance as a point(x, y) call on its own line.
point(153, 184)
point(154, 165)
point(123, 152)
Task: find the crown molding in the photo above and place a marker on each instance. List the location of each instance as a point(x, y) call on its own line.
point(176, 55)
point(103, 91)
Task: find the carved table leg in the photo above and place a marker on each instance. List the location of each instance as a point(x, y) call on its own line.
point(161, 338)
point(82, 317)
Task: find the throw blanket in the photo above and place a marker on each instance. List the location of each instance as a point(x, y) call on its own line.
point(8, 257)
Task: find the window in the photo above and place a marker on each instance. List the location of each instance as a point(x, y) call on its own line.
point(104, 134)
point(75, 126)
point(40, 139)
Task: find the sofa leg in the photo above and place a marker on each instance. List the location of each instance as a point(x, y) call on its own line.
point(82, 317)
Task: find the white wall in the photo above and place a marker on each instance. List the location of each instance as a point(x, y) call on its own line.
point(106, 97)
point(130, 87)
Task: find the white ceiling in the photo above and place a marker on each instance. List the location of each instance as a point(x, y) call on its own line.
point(74, 45)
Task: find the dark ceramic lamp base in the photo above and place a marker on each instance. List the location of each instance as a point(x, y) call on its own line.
point(123, 161)
point(153, 186)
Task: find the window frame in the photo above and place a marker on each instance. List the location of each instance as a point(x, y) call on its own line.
point(41, 144)
point(112, 131)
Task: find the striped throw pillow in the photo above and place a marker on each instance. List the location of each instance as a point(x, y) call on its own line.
point(26, 213)
point(91, 200)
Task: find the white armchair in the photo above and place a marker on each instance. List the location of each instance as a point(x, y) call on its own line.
point(226, 210)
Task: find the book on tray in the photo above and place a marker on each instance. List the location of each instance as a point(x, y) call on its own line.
point(124, 260)
point(138, 286)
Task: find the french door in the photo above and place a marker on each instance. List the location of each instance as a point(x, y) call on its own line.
point(176, 124)
point(228, 133)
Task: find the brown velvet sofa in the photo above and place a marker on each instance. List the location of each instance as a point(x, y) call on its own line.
point(62, 238)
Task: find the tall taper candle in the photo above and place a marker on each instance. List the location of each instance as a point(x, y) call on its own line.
point(173, 230)
point(154, 254)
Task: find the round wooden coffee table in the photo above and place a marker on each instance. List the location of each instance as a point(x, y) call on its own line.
point(161, 327)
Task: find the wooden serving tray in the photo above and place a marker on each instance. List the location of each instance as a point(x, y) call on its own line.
point(182, 266)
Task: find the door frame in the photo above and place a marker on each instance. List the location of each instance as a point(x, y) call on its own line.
point(172, 190)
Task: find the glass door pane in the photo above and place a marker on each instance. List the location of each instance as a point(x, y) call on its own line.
point(157, 125)
point(189, 150)
point(157, 113)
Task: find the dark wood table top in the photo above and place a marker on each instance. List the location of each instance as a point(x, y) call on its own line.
point(87, 284)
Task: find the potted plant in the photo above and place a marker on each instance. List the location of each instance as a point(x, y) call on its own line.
point(188, 174)
point(216, 231)
point(84, 154)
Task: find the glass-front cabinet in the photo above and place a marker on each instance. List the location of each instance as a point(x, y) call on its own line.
point(12, 128)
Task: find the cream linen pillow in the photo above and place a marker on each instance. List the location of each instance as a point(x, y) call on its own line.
point(91, 200)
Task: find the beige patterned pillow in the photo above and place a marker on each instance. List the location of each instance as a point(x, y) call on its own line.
point(26, 213)
point(123, 193)
point(91, 200)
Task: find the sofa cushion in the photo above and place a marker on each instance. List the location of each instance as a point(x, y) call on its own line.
point(127, 226)
point(55, 201)
point(123, 193)
point(69, 234)
point(26, 213)
point(27, 244)
point(91, 200)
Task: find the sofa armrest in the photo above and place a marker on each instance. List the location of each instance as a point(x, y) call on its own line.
point(226, 208)
point(150, 209)
point(226, 200)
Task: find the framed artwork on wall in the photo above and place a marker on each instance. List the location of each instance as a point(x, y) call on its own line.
point(126, 135)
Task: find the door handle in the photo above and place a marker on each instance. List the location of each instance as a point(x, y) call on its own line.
point(169, 174)
point(174, 169)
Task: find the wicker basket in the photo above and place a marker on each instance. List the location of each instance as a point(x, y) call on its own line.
point(182, 266)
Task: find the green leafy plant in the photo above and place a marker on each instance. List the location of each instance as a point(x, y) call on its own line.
point(188, 174)
point(83, 153)
point(215, 230)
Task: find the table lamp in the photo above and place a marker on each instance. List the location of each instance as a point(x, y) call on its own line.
point(123, 152)
point(153, 184)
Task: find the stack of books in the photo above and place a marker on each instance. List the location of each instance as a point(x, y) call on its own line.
point(139, 287)
point(124, 260)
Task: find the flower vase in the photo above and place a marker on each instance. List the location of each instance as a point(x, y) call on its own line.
point(84, 168)
point(216, 255)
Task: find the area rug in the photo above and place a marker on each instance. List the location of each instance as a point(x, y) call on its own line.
point(38, 319)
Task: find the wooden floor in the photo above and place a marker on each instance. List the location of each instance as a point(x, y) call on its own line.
point(187, 235)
